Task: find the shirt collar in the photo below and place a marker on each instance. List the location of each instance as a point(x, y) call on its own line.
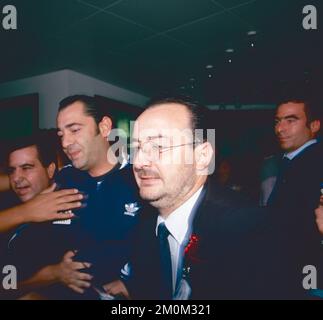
point(293, 154)
point(177, 222)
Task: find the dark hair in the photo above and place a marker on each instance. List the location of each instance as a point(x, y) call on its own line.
point(200, 115)
point(312, 105)
point(91, 107)
point(45, 149)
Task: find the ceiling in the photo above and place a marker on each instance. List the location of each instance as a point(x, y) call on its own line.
point(152, 45)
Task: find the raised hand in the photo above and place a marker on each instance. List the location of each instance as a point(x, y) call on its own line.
point(52, 205)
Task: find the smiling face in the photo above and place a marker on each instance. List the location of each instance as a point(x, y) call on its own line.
point(166, 181)
point(291, 126)
point(28, 177)
point(83, 141)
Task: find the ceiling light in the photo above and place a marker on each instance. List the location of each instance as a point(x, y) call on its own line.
point(251, 33)
point(209, 66)
point(229, 50)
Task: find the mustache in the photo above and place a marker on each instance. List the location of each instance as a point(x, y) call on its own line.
point(146, 173)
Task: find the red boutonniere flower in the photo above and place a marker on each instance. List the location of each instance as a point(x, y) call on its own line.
point(191, 255)
point(190, 250)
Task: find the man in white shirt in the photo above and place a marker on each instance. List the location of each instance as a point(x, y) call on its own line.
point(196, 240)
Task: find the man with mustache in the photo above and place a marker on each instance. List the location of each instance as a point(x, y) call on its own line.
point(101, 232)
point(297, 188)
point(196, 239)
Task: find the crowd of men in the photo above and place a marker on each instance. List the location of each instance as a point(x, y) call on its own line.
point(157, 226)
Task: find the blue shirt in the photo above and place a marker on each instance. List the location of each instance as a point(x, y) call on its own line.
point(102, 231)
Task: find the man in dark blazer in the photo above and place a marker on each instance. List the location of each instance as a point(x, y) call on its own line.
point(232, 258)
point(215, 246)
point(297, 189)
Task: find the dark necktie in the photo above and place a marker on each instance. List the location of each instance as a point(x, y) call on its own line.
point(166, 263)
point(283, 166)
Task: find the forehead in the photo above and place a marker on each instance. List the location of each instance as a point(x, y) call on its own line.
point(24, 155)
point(290, 108)
point(165, 119)
point(75, 112)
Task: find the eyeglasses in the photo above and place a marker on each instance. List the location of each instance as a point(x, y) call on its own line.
point(153, 150)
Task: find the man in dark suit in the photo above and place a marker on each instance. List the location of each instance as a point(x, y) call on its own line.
point(196, 240)
point(297, 189)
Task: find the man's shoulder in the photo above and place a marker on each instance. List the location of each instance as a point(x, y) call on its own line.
point(317, 150)
point(68, 170)
point(122, 177)
point(229, 211)
point(70, 177)
point(224, 199)
point(309, 162)
point(314, 150)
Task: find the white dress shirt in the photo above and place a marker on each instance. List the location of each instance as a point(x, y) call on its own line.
point(178, 223)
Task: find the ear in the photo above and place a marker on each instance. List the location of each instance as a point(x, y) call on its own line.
point(105, 126)
point(315, 126)
point(51, 170)
point(204, 157)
